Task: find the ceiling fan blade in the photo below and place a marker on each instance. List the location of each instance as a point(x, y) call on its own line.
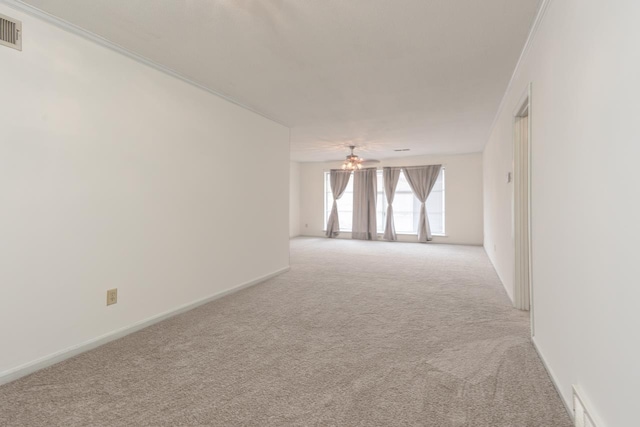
point(370, 161)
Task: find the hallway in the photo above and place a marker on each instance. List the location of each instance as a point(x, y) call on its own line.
point(356, 334)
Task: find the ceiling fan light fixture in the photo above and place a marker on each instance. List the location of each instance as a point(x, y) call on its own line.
point(351, 165)
point(352, 162)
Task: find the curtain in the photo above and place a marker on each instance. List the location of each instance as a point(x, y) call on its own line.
point(365, 184)
point(421, 180)
point(391, 176)
point(338, 180)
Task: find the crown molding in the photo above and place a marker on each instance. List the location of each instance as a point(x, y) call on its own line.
point(88, 35)
point(523, 55)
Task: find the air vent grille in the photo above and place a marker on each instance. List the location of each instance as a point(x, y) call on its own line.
point(10, 32)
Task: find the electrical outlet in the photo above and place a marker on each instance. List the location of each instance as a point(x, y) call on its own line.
point(112, 296)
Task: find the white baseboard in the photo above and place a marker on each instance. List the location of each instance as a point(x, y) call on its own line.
point(506, 290)
point(402, 238)
point(554, 380)
point(51, 359)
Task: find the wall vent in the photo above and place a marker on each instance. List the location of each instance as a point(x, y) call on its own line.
point(10, 32)
point(583, 416)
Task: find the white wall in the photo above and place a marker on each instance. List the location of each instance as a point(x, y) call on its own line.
point(294, 199)
point(584, 65)
point(463, 197)
point(113, 174)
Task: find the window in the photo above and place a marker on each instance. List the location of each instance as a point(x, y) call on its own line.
point(406, 207)
point(381, 204)
point(345, 204)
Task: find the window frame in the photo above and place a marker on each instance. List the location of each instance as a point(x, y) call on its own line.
point(382, 207)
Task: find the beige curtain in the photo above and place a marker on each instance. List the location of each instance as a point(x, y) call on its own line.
point(365, 183)
point(391, 176)
point(421, 180)
point(338, 180)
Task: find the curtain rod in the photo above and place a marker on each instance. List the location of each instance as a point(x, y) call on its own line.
point(393, 167)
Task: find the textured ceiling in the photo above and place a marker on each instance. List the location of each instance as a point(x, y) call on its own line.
point(421, 74)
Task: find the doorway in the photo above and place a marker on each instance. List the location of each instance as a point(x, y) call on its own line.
point(523, 294)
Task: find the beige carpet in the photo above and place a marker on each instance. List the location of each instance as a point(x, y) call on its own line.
point(356, 334)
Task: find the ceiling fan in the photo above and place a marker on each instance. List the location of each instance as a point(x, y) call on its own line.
point(353, 162)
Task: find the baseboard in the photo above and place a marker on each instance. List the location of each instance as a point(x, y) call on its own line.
point(405, 238)
point(51, 359)
point(554, 380)
point(506, 291)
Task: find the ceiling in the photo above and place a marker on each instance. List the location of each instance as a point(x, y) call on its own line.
point(427, 75)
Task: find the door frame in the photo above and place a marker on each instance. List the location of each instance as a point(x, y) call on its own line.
point(523, 108)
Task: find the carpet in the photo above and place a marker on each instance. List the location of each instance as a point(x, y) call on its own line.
point(356, 334)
